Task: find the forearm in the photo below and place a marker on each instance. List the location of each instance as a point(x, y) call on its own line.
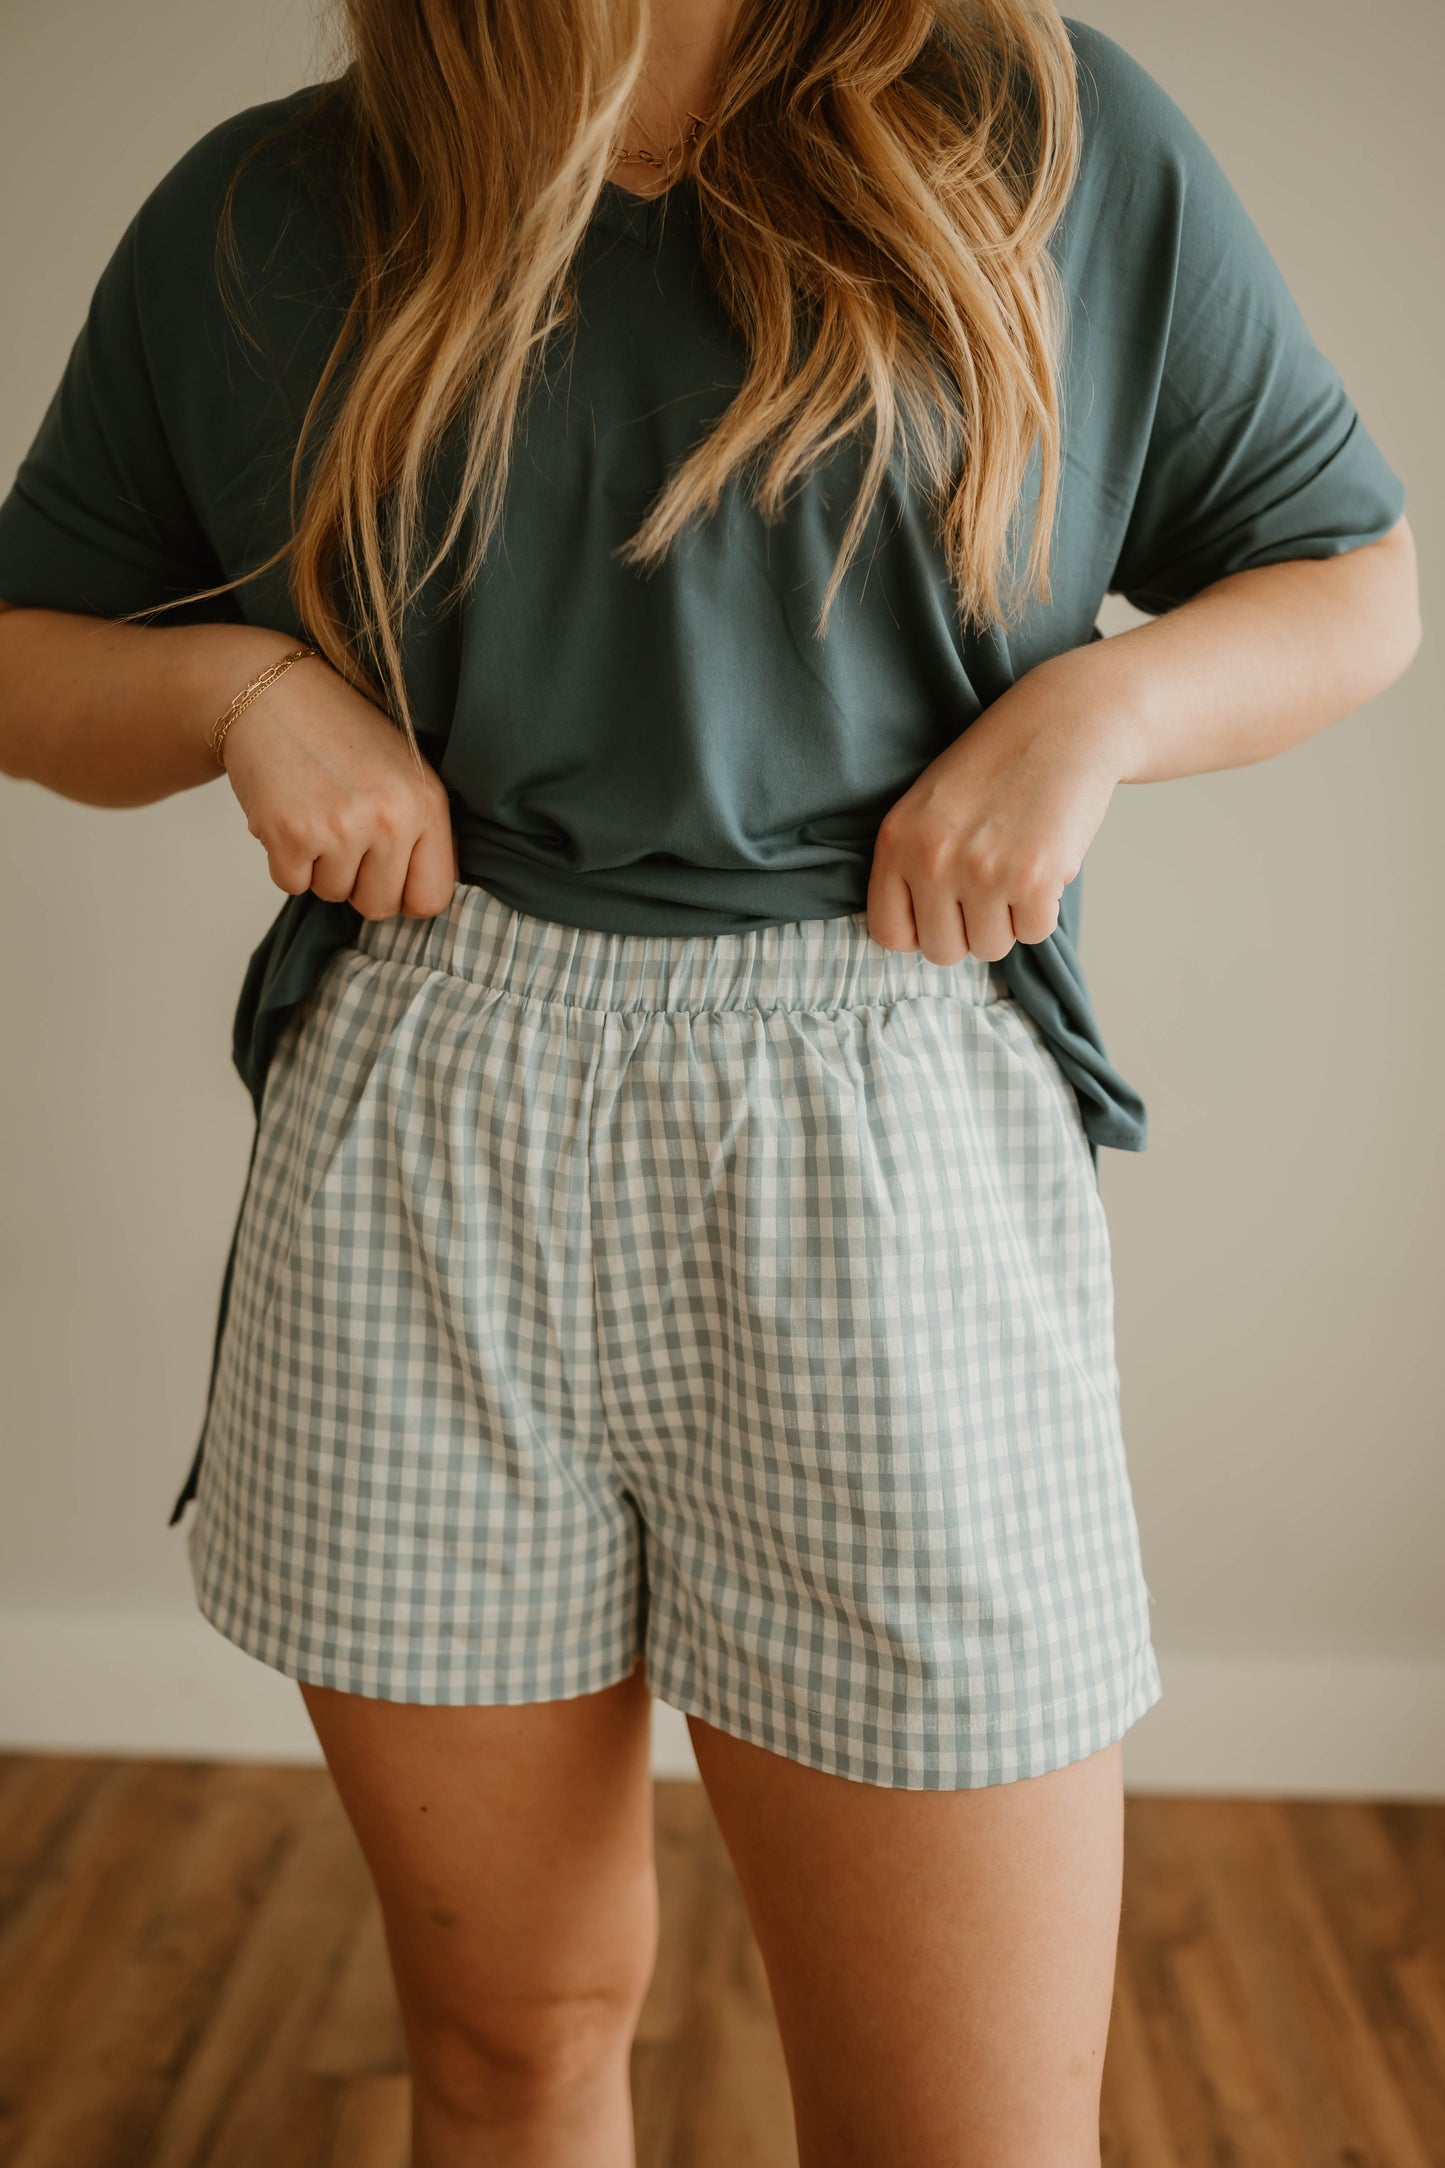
point(1255, 664)
point(118, 715)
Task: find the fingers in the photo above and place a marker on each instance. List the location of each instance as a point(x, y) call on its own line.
point(946, 903)
point(989, 926)
point(388, 858)
point(381, 876)
point(890, 907)
point(1036, 919)
point(290, 868)
point(945, 927)
point(432, 874)
point(290, 855)
point(302, 854)
point(408, 875)
point(943, 934)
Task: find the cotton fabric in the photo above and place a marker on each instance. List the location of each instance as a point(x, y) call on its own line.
point(743, 1304)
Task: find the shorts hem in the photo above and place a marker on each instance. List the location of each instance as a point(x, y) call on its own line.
point(985, 1757)
point(365, 1682)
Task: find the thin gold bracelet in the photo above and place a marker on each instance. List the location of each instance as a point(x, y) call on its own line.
point(248, 693)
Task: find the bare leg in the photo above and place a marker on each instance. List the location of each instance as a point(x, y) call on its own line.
point(941, 1962)
point(511, 1849)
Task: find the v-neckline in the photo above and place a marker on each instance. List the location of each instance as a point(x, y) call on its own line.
point(636, 218)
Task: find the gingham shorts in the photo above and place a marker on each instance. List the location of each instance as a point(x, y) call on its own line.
point(741, 1302)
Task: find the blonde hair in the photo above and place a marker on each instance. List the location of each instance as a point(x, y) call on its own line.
point(876, 186)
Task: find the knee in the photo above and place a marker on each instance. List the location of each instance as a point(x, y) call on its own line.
point(516, 2054)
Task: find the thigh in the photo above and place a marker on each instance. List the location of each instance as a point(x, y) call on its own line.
point(941, 1963)
point(511, 1847)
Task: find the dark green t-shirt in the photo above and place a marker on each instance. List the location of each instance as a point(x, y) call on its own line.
point(675, 753)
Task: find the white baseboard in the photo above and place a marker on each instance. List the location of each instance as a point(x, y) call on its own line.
point(169, 1684)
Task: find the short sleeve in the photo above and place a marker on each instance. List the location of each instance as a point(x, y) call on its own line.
point(1253, 452)
point(98, 518)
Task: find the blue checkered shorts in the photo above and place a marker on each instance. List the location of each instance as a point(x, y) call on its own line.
point(743, 1304)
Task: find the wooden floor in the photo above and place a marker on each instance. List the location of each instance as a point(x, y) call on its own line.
point(192, 1972)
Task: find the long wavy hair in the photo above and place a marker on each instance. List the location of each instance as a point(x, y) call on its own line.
point(876, 186)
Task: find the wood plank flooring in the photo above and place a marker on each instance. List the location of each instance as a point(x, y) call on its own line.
point(193, 1975)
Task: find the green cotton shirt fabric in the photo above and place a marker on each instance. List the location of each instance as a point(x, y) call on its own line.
point(675, 753)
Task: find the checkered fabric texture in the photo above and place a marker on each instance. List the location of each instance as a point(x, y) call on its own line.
point(743, 1303)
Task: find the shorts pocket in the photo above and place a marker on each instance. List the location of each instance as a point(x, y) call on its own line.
point(364, 1017)
point(1053, 1207)
point(1026, 1037)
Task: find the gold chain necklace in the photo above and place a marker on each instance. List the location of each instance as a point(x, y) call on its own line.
point(651, 158)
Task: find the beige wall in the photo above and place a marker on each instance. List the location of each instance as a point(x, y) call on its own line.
point(1262, 944)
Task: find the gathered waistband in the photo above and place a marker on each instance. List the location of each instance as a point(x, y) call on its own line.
point(809, 963)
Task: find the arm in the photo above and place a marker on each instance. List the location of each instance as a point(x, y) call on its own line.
point(1264, 538)
point(976, 855)
point(1252, 665)
point(118, 715)
point(114, 510)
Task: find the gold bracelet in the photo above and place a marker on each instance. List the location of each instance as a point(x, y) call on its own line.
point(248, 693)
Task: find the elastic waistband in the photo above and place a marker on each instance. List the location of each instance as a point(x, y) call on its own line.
point(808, 963)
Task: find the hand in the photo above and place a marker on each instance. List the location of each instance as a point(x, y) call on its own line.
point(330, 790)
point(978, 852)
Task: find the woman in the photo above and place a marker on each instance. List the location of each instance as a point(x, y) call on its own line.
point(625, 498)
